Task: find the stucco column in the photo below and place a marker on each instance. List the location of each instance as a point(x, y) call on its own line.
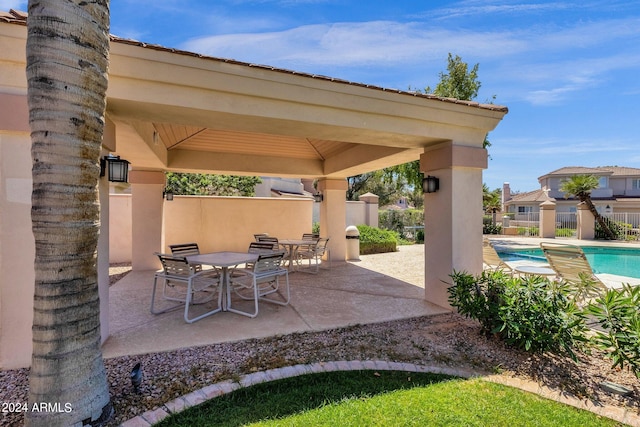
point(146, 218)
point(586, 223)
point(103, 256)
point(452, 216)
point(547, 219)
point(371, 208)
point(333, 212)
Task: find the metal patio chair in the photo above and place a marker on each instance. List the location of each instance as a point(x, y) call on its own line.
point(313, 253)
point(184, 285)
point(258, 282)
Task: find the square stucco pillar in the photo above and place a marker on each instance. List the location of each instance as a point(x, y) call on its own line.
point(333, 213)
point(586, 223)
point(146, 218)
point(453, 216)
point(548, 219)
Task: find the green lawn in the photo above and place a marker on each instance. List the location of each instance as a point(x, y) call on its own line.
point(384, 398)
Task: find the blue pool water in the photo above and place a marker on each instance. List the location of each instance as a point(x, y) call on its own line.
point(620, 261)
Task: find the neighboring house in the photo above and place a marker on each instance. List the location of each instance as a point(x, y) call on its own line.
point(400, 205)
point(282, 187)
point(619, 191)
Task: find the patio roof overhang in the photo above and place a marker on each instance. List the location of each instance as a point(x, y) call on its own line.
point(180, 111)
point(175, 110)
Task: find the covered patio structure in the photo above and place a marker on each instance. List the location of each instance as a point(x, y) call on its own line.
point(170, 110)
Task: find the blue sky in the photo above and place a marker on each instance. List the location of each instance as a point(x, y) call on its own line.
point(568, 71)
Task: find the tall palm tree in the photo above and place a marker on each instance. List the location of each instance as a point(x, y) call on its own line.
point(581, 186)
point(67, 61)
point(491, 201)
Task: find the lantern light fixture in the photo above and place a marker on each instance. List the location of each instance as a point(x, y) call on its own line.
point(168, 195)
point(118, 168)
point(430, 184)
point(318, 197)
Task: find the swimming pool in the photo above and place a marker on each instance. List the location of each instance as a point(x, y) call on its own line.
point(620, 261)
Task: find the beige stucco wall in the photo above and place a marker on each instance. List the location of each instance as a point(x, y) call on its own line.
point(356, 213)
point(262, 214)
point(17, 250)
point(120, 228)
point(229, 223)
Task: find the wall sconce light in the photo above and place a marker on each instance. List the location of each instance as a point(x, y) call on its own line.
point(168, 195)
point(118, 168)
point(318, 197)
point(430, 184)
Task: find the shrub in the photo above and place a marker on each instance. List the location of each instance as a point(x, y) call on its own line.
point(617, 313)
point(618, 228)
point(565, 232)
point(420, 236)
point(531, 313)
point(528, 231)
point(491, 228)
point(397, 220)
point(374, 240)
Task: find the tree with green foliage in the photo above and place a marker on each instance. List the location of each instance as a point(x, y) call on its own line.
point(458, 82)
point(491, 201)
point(198, 184)
point(581, 186)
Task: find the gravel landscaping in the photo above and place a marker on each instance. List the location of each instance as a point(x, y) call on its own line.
point(447, 340)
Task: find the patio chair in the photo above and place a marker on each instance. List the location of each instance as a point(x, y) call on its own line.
point(492, 260)
point(314, 253)
point(310, 236)
point(260, 281)
point(571, 265)
point(258, 235)
point(184, 285)
point(262, 247)
point(276, 244)
point(184, 250)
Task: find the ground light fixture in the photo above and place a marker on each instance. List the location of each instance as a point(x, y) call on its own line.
point(118, 168)
point(168, 195)
point(430, 184)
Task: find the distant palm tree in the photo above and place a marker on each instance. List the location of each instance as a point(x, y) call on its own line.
point(67, 60)
point(491, 201)
point(581, 186)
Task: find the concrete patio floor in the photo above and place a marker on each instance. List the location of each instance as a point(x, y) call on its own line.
point(377, 288)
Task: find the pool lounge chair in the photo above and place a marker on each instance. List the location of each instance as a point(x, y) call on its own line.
point(572, 266)
point(492, 261)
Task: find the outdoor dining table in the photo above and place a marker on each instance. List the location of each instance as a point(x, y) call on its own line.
point(223, 260)
point(294, 245)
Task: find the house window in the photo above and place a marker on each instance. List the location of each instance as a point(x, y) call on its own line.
point(635, 184)
point(603, 182)
point(525, 209)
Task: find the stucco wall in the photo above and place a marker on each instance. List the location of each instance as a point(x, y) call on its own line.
point(119, 228)
point(217, 222)
point(17, 250)
point(356, 213)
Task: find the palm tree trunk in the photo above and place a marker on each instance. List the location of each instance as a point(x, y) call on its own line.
point(599, 219)
point(67, 60)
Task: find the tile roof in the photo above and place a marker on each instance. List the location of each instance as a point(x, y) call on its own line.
point(20, 18)
point(530, 196)
point(599, 170)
